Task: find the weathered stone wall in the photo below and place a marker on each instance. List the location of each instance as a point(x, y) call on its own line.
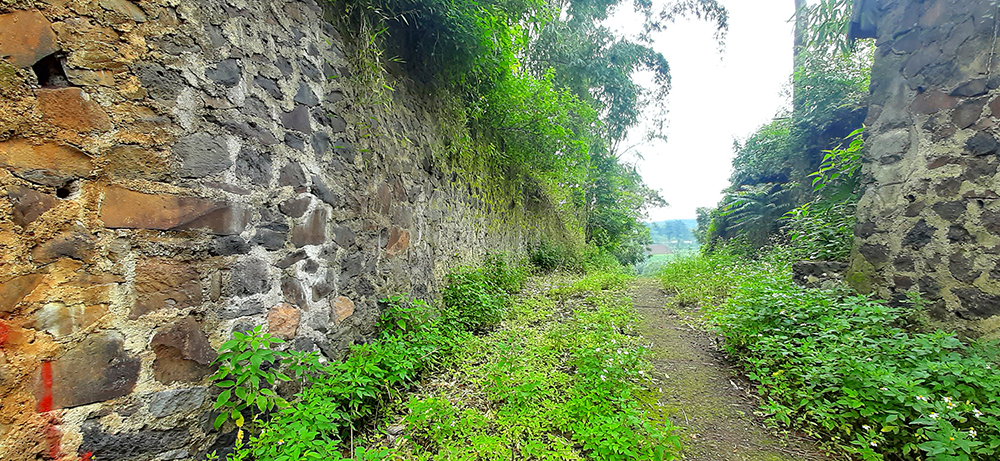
point(175, 170)
point(929, 219)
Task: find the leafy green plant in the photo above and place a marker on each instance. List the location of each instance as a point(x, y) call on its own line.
point(822, 231)
point(476, 302)
point(247, 375)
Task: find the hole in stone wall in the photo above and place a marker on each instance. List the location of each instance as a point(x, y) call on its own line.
point(50, 72)
point(66, 190)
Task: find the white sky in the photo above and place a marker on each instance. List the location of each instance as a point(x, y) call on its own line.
point(715, 98)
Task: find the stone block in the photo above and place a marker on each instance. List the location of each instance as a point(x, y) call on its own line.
point(166, 403)
point(162, 283)
point(45, 163)
point(124, 8)
point(123, 208)
point(28, 204)
point(201, 155)
point(71, 244)
point(295, 207)
point(226, 72)
point(26, 37)
point(58, 319)
point(283, 321)
point(292, 175)
point(322, 191)
point(297, 119)
point(291, 289)
point(123, 445)
point(977, 304)
point(67, 108)
point(312, 231)
point(182, 353)
point(95, 370)
point(932, 101)
point(14, 290)
point(919, 235)
point(305, 95)
point(249, 277)
point(343, 308)
point(399, 241)
point(982, 144)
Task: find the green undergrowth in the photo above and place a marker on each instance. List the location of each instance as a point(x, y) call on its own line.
point(849, 369)
point(494, 372)
point(559, 379)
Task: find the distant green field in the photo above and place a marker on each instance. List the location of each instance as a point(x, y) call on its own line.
point(652, 265)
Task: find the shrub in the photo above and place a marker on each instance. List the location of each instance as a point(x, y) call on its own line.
point(845, 366)
point(474, 300)
point(546, 256)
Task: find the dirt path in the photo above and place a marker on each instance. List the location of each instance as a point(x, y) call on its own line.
point(703, 394)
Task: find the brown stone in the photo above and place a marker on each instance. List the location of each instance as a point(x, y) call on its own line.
point(123, 208)
point(26, 37)
point(312, 231)
point(124, 8)
point(343, 308)
point(67, 108)
point(291, 289)
point(134, 162)
point(283, 321)
point(932, 101)
point(70, 244)
point(60, 320)
point(46, 163)
point(383, 199)
point(162, 283)
point(14, 290)
point(399, 241)
point(95, 370)
point(83, 77)
point(182, 353)
point(28, 204)
point(968, 113)
point(995, 107)
point(295, 207)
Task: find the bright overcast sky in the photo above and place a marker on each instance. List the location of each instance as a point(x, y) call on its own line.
point(716, 98)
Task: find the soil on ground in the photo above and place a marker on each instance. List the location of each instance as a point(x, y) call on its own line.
point(703, 394)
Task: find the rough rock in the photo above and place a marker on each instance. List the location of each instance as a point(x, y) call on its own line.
point(95, 370)
point(163, 284)
point(182, 353)
point(26, 37)
point(122, 208)
point(312, 231)
point(343, 308)
point(28, 204)
point(45, 163)
point(283, 321)
point(166, 403)
point(201, 155)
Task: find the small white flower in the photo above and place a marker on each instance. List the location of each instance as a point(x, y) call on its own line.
point(988, 367)
point(866, 427)
point(976, 412)
point(933, 415)
point(947, 400)
point(883, 389)
point(972, 432)
point(873, 444)
point(603, 378)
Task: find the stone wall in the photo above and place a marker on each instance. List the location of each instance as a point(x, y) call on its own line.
point(929, 219)
point(172, 171)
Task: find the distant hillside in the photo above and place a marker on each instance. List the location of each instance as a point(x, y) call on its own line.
point(675, 233)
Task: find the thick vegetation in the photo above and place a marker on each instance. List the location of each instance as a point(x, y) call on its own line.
point(544, 91)
point(553, 373)
point(852, 370)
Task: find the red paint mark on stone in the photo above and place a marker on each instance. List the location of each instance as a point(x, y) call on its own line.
point(4, 332)
point(86, 456)
point(54, 437)
point(45, 404)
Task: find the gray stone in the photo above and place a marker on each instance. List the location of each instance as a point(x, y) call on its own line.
point(226, 72)
point(253, 166)
point(312, 231)
point(919, 235)
point(94, 370)
point(977, 304)
point(971, 88)
point(201, 155)
point(891, 146)
point(320, 143)
point(982, 144)
point(323, 192)
point(292, 175)
point(246, 308)
point(166, 403)
point(968, 112)
point(285, 66)
point(958, 234)
point(319, 319)
point(961, 268)
point(310, 70)
point(295, 207)
point(877, 255)
point(949, 211)
point(336, 123)
point(295, 140)
point(297, 119)
point(249, 277)
point(291, 259)
point(293, 293)
point(161, 84)
point(344, 236)
point(229, 245)
point(130, 446)
point(270, 239)
point(305, 95)
point(269, 86)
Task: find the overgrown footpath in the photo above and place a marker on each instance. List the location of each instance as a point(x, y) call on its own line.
point(508, 367)
point(873, 380)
